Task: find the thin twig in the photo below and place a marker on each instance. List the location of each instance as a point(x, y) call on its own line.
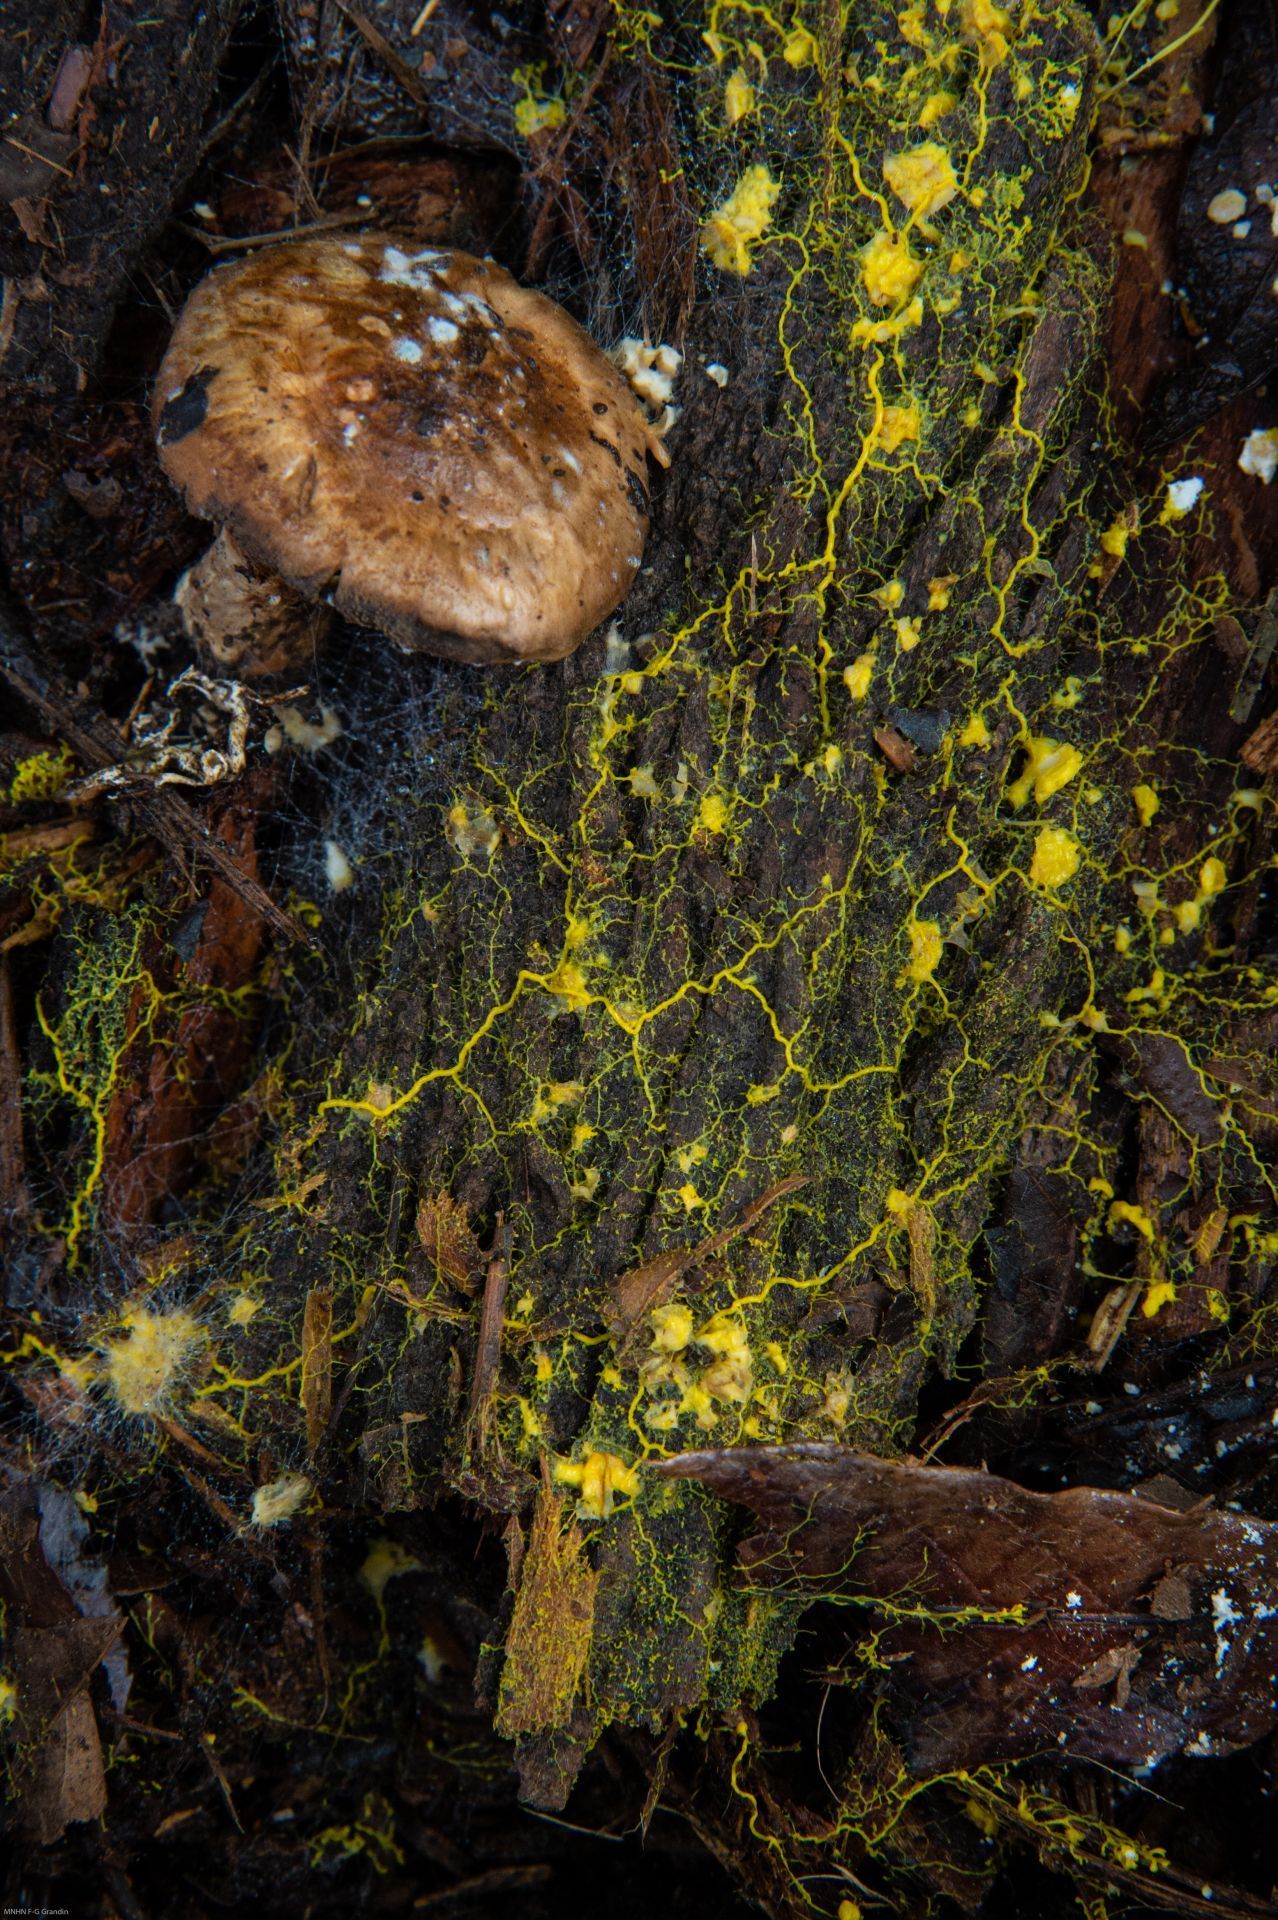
point(217, 243)
point(497, 1880)
point(233, 112)
point(33, 154)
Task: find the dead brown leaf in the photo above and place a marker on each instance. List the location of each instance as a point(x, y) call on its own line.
point(59, 1772)
point(1005, 1614)
point(66, 1780)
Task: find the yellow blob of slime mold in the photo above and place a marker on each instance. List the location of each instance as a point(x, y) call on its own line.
point(742, 218)
point(1056, 857)
point(1050, 766)
point(889, 269)
point(896, 426)
point(922, 178)
point(601, 1476)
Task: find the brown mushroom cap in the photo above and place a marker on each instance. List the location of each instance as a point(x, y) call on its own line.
point(442, 453)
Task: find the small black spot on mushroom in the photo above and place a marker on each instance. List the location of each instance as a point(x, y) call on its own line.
point(638, 494)
point(600, 406)
point(474, 348)
point(416, 496)
point(607, 446)
point(187, 409)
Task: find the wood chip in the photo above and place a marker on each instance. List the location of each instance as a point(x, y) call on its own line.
point(1259, 750)
point(488, 1348)
point(895, 748)
point(642, 1288)
point(317, 1364)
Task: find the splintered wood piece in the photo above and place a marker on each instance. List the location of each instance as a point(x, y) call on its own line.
point(317, 1364)
point(488, 1348)
point(642, 1288)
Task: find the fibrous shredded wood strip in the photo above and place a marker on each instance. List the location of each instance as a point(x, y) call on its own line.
point(549, 1638)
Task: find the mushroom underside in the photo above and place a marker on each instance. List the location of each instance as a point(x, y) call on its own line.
point(248, 615)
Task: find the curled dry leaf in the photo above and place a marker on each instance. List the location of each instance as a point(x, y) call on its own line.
point(1089, 1622)
point(443, 1231)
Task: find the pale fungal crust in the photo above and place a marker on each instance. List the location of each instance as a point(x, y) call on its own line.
point(435, 450)
point(149, 1357)
point(1226, 207)
point(1183, 496)
point(280, 1499)
point(651, 373)
point(1259, 455)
